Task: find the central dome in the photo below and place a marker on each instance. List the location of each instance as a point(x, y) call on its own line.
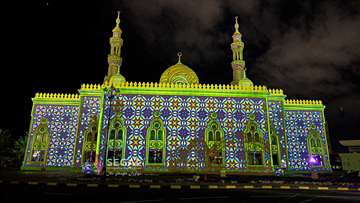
point(179, 74)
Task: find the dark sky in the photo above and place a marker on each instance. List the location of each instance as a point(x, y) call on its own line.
point(311, 49)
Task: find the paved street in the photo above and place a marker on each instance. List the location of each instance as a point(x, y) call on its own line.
point(111, 193)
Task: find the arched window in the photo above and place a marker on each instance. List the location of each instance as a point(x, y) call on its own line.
point(40, 143)
point(90, 141)
point(116, 143)
point(214, 138)
point(155, 142)
point(254, 142)
point(315, 146)
point(274, 147)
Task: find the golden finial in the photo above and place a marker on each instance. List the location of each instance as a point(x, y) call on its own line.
point(179, 54)
point(118, 19)
point(236, 25)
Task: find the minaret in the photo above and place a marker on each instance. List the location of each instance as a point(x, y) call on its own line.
point(238, 63)
point(114, 58)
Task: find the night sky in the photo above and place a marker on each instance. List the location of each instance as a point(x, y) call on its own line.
point(310, 49)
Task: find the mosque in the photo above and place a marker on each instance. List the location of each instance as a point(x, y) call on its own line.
point(176, 125)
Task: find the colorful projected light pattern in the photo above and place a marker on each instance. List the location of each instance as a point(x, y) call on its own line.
point(185, 118)
point(62, 124)
point(276, 116)
point(298, 124)
point(90, 109)
point(176, 125)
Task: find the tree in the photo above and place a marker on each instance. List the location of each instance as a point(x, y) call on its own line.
point(6, 150)
point(20, 147)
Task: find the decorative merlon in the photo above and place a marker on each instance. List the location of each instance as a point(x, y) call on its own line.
point(57, 96)
point(303, 102)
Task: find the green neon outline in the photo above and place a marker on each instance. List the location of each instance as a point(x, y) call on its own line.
point(209, 144)
point(122, 127)
point(156, 118)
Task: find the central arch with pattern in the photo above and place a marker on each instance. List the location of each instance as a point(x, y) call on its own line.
point(215, 144)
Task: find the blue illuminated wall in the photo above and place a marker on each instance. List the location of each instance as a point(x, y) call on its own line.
point(90, 107)
point(298, 123)
point(62, 123)
point(185, 118)
point(277, 121)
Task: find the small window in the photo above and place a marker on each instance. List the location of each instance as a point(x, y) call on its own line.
point(160, 134)
point(218, 135)
point(249, 136)
point(112, 134)
point(152, 135)
point(211, 136)
point(119, 135)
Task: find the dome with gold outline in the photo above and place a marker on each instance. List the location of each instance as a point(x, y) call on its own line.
point(179, 74)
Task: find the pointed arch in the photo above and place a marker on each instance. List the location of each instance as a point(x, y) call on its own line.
point(214, 139)
point(156, 142)
point(314, 144)
point(39, 149)
point(254, 142)
point(116, 143)
point(90, 141)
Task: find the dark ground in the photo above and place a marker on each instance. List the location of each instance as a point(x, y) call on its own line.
point(61, 193)
point(61, 187)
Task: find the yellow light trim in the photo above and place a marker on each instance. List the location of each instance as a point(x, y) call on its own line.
point(223, 87)
point(276, 92)
point(57, 96)
point(303, 102)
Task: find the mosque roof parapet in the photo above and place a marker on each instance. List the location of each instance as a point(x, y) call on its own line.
point(276, 92)
point(57, 96)
point(92, 86)
point(303, 102)
point(216, 87)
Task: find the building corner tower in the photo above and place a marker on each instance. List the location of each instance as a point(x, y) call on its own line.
point(238, 63)
point(113, 76)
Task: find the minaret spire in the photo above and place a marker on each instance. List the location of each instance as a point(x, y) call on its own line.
point(238, 63)
point(236, 25)
point(114, 58)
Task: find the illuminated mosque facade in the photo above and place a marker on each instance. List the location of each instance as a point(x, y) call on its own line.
point(176, 125)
